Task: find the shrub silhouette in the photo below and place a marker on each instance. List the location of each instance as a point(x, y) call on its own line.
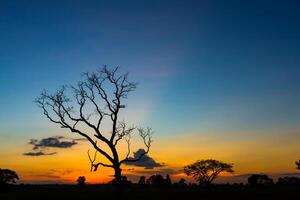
point(168, 181)
point(124, 181)
point(81, 181)
point(159, 181)
point(182, 182)
point(142, 180)
point(259, 179)
point(156, 180)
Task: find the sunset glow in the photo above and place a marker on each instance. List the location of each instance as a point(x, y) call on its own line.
point(215, 80)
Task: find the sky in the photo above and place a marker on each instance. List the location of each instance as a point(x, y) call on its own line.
point(217, 79)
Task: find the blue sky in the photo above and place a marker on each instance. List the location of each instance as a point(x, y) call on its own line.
point(201, 65)
point(208, 52)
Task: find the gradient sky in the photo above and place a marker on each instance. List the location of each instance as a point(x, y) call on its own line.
point(217, 79)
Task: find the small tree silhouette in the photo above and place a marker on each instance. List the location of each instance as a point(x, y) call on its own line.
point(142, 180)
point(81, 181)
point(205, 171)
point(156, 180)
point(168, 180)
point(8, 177)
point(182, 182)
point(124, 181)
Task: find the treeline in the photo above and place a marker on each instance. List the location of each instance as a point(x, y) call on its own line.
point(159, 181)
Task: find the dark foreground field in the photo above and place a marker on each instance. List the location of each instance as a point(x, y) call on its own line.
point(56, 192)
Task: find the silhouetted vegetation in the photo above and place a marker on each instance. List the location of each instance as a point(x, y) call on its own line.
point(124, 182)
point(150, 192)
point(159, 181)
point(142, 180)
point(259, 187)
point(8, 177)
point(168, 180)
point(206, 171)
point(104, 92)
point(181, 183)
point(259, 179)
point(81, 181)
point(289, 180)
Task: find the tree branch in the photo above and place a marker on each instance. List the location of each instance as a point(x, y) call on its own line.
point(61, 110)
point(94, 166)
point(145, 134)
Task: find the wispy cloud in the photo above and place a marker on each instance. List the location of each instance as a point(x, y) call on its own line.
point(54, 142)
point(39, 153)
point(39, 146)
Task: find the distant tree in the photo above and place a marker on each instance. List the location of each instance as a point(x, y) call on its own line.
point(298, 164)
point(259, 179)
point(142, 180)
point(182, 181)
point(156, 180)
point(81, 181)
point(124, 181)
point(206, 171)
point(8, 176)
point(84, 107)
point(168, 180)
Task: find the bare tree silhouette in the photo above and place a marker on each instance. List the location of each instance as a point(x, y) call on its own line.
point(104, 91)
point(205, 171)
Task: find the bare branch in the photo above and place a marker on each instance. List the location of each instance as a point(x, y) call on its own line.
point(94, 167)
point(56, 103)
point(127, 139)
point(145, 134)
point(103, 92)
point(122, 131)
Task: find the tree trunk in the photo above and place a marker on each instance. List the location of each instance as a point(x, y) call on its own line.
point(118, 183)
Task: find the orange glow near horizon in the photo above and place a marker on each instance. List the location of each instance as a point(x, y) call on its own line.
point(251, 156)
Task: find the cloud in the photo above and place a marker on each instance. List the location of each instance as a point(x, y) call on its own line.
point(54, 142)
point(39, 153)
point(39, 146)
point(146, 161)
